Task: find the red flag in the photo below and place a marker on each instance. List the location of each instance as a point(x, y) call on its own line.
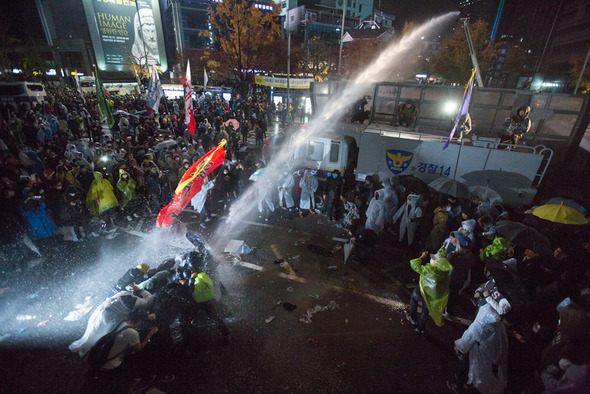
point(191, 184)
point(189, 117)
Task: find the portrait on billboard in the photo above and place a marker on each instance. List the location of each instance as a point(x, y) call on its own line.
point(126, 32)
point(145, 46)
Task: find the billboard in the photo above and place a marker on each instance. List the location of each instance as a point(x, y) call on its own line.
point(125, 32)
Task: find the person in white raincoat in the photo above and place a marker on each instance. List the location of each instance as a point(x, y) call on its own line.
point(285, 189)
point(390, 199)
point(265, 204)
point(467, 227)
point(376, 212)
point(309, 185)
point(487, 345)
point(112, 311)
point(410, 213)
point(198, 200)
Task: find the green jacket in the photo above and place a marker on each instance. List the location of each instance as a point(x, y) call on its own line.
point(203, 288)
point(439, 232)
point(434, 285)
point(127, 189)
point(498, 250)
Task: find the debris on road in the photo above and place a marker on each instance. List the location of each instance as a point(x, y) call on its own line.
point(43, 323)
point(321, 251)
point(288, 306)
point(237, 247)
point(332, 305)
point(279, 261)
point(290, 289)
point(25, 317)
point(332, 267)
point(21, 330)
point(315, 296)
point(271, 318)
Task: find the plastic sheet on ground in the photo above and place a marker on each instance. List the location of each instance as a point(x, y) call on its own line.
point(331, 306)
point(347, 249)
point(237, 247)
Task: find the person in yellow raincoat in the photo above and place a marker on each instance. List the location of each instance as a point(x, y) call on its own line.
point(432, 291)
point(100, 197)
point(203, 290)
point(126, 186)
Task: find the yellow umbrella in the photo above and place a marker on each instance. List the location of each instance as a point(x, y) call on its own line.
point(560, 214)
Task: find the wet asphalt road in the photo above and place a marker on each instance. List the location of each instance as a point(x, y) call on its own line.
point(360, 343)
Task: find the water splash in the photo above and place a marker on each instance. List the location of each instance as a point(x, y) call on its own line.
point(391, 58)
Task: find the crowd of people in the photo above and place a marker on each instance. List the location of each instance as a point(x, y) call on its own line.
point(64, 172)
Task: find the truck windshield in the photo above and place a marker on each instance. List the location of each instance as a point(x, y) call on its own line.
point(315, 151)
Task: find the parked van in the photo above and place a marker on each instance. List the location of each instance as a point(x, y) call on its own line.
point(22, 92)
point(88, 84)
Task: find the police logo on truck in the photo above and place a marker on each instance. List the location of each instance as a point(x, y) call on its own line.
point(398, 160)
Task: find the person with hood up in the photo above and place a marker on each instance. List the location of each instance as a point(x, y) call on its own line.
point(332, 192)
point(199, 200)
point(467, 227)
point(439, 231)
point(309, 185)
point(33, 210)
point(182, 170)
point(285, 189)
point(265, 204)
point(376, 213)
point(432, 291)
point(410, 213)
point(100, 198)
point(517, 126)
point(485, 340)
point(126, 186)
point(390, 199)
point(110, 312)
point(571, 375)
point(267, 151)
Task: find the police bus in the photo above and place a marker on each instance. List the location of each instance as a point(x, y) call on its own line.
point(22, 92)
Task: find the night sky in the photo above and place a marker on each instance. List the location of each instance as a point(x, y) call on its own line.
point(416, 11)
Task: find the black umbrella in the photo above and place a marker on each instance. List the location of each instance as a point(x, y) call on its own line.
point(508, 284)
point(413, 183)
point(451, 187)
point(524, 236)
point(503, 275)
point(497, 179)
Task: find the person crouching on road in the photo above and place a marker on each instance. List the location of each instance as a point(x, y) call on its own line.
point(128, 341)
point(432, 290)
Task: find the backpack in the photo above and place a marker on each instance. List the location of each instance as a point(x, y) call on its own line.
point(99, 353)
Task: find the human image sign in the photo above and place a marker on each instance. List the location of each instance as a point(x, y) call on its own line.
point(126, 32)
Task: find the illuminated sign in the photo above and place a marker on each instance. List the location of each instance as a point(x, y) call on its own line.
point(126, 32)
